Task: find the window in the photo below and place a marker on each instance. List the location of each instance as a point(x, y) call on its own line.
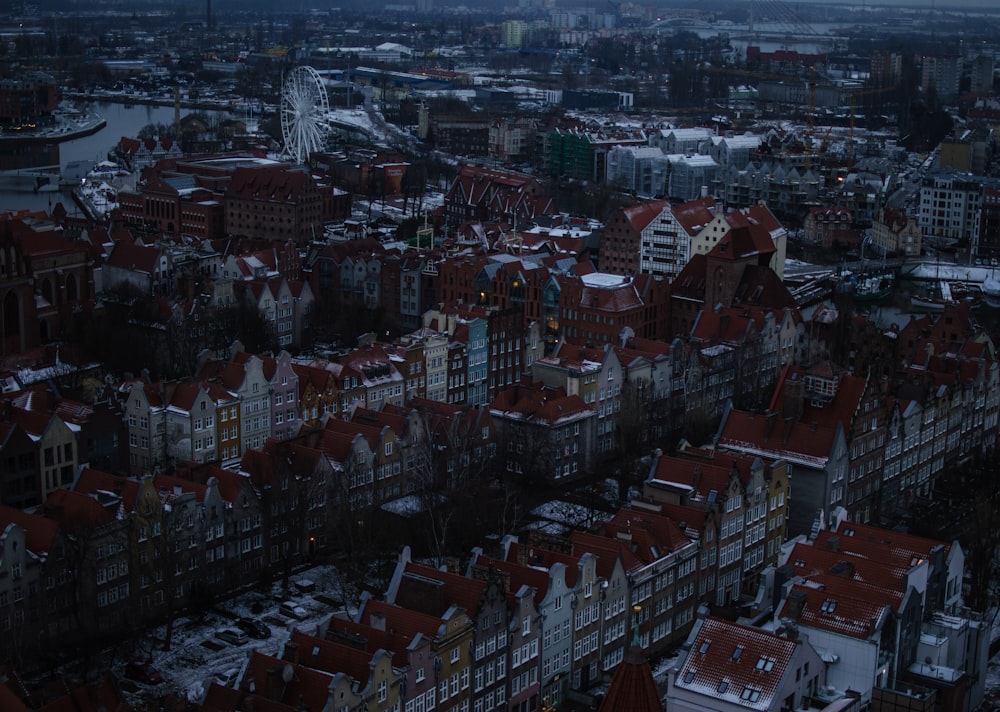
point(766, 663)
point(455, 654)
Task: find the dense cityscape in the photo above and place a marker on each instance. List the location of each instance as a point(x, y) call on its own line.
point(549, 357)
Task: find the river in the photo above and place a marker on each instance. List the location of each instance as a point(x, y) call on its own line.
point(123, 120)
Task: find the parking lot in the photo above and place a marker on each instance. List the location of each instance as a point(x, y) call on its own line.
point(199, 652)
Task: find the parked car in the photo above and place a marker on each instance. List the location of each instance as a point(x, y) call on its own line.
point(142, 672)
point(254, 628)
point(231, 636)
point(290, 609)
point(227, 678)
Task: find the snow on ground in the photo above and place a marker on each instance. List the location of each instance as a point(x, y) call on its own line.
point(567, 514)
point(195, 653)
point(355, 117)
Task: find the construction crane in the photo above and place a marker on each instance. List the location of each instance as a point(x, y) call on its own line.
point(854, 97)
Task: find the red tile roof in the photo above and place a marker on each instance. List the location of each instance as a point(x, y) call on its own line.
point(726, 660)
point(75, 511)
point(853, 611)
point(639, 216)
point(695, 214)
point(92, 481)
point(407, 622)
point(307, 686)
point(134, 257)
point(454, 589)
point(774, 438)
point(332, 657)
point(39, 532)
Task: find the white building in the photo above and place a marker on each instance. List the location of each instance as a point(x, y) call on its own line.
point(642, 169)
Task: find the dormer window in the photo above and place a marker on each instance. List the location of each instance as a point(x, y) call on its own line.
point(705, 644)
point(829, 606)
point(766, 663)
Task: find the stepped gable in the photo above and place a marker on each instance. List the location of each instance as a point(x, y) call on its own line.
point(39, 532)
point(726, 659)
point(632, 688)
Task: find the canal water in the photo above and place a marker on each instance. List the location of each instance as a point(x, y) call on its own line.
point(123, 120)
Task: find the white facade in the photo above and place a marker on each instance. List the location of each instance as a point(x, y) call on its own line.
point(638, 168)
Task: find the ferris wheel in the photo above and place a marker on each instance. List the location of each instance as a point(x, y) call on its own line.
point(304, 108)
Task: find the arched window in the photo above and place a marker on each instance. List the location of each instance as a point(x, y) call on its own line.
point(47, 290)
point(71, 292)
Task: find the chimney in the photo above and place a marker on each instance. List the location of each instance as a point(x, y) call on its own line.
point(291, 653)
point(275, 683)
point(704, 191)
point(791, 631)
point(377, 621)
point(796, 603)
point(833, 543)
point(770, 418)
point(794, 395)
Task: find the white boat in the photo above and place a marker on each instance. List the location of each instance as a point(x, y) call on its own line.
point(935, 301)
